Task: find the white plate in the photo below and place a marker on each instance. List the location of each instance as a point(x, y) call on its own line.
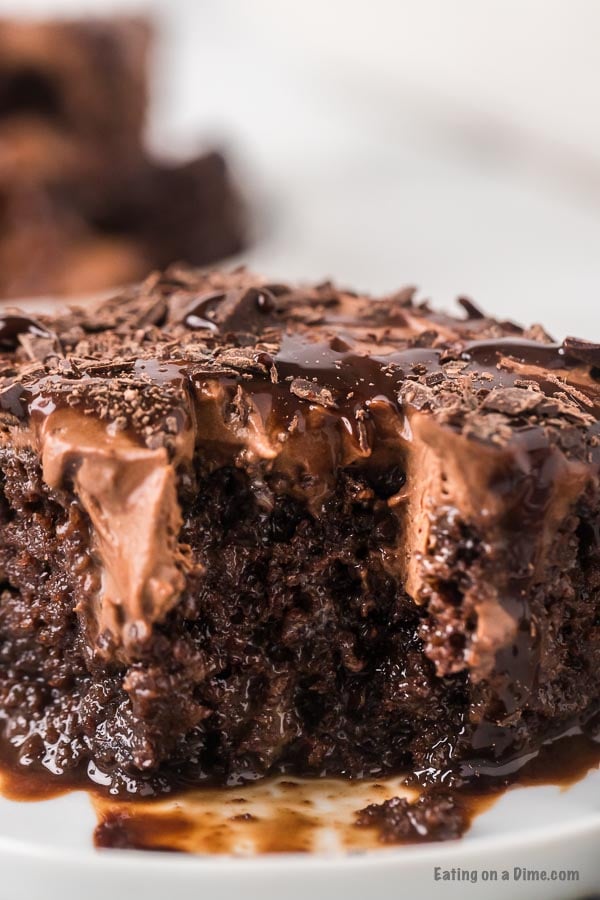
point(46, 852)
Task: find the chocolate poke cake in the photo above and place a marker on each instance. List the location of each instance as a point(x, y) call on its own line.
point(249, 527)
point(84, 205)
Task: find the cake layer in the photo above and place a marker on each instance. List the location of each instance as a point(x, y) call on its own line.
point(83, 204)
point(299, 528)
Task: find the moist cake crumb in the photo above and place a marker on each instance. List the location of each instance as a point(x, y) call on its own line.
point(434, 816)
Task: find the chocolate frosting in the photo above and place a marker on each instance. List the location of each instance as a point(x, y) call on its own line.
point(129, 493)
point(205, 369)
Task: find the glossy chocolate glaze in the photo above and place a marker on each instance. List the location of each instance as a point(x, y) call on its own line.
point(355, 378)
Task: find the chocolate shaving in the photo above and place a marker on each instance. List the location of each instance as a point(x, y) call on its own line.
point(473, 312)
point(240, 310)
point(455, 367)
point(417, 395)
point(307, 390)
point(512, 401)
point(245, 359)
point(155, 314)
point(585, 351)
point(434, 378)
point(15, 327)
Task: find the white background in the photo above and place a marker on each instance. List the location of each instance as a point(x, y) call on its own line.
point(452, 144)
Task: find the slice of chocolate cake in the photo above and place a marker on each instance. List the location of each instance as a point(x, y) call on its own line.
point(84, 205)
point(250, 527)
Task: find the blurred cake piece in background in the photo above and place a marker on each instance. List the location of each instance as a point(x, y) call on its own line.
point(83, 205)
point(77, 85)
